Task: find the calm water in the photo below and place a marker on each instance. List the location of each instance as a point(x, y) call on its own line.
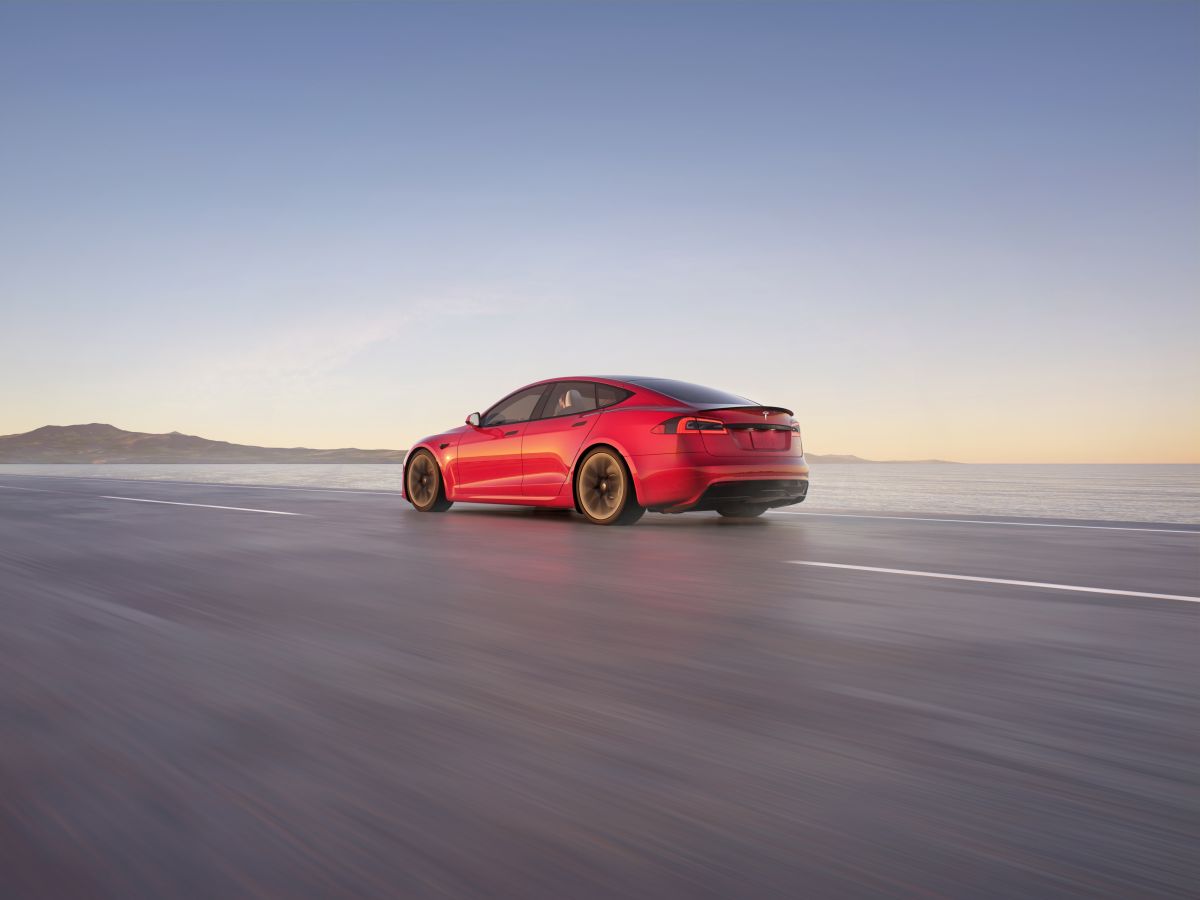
point(1114, 493)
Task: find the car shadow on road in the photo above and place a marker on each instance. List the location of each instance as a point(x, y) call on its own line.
point(681, 520)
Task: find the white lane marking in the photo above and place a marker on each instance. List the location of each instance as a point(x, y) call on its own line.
point(1029, 584)
point(271, 512)
point(273, 487)
point(789, 512)
point(225, 484)
point(11, 487)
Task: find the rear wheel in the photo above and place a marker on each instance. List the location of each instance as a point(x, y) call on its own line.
point(604, 489)
point(742, 510)
point(423, 484)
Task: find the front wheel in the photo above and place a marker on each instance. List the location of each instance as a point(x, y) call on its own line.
point(742, 510)
point(423, 484)
point(605, 489)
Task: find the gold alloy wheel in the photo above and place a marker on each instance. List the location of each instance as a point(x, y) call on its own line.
point(423, 481)
point(602, 486)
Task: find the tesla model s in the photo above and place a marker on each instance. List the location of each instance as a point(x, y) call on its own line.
point(612, 448)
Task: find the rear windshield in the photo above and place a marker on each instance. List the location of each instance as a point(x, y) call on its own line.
point(690, 393)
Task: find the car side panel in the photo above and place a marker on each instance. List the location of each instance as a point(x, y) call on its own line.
point(549, 449)
point(489, 462)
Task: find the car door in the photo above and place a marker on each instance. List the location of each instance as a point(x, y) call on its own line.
point(552, 441)
point(489, 455)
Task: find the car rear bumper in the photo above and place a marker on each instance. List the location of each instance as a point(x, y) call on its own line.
point(664, 485)
point(770, 492)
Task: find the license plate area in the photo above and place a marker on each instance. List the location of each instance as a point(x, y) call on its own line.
point(769, 440)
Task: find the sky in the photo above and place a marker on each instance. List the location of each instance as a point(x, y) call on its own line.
point(966, 231)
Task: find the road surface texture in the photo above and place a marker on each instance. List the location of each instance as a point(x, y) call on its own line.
point(201, 697)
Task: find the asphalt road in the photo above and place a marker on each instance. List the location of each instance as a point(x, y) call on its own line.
point(360, 700)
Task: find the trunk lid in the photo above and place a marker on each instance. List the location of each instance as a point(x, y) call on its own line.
point(750, 430)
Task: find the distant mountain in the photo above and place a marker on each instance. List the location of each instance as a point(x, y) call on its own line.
point(847, 458)
point(98, 443)
point(835, 458)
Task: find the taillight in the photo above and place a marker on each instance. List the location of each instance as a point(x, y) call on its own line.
point(684, 424)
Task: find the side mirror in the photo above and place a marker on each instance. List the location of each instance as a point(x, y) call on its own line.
point(473, 420)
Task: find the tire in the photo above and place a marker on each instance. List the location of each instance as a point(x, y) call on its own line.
point(423, 485)
point(742, 510)
point(604, 489)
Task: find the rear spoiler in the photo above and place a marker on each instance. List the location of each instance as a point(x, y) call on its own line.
point(749, 408)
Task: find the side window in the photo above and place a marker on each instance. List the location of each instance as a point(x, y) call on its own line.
point(517, 408)
point(570, 398)
point(607, 395)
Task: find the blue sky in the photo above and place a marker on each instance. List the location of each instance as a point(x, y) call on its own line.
point(956, 230)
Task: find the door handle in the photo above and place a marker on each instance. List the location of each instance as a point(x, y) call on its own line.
point(510, 433)
point(580, 422)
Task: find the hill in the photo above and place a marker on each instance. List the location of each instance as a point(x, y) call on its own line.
point(97, 443)
point(848, 458)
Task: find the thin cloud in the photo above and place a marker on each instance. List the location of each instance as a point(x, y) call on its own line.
point(319, 347)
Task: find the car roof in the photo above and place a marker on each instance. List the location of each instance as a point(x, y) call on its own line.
point(631, 379)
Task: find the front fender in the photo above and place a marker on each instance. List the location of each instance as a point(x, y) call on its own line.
point(444, 456)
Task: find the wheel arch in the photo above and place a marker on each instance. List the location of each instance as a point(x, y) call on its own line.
point(608, 444)
point(439, 460)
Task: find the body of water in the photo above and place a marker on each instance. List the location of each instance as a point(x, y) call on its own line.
point(1163, 493)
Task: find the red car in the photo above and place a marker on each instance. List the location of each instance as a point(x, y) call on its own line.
point(612, 448)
